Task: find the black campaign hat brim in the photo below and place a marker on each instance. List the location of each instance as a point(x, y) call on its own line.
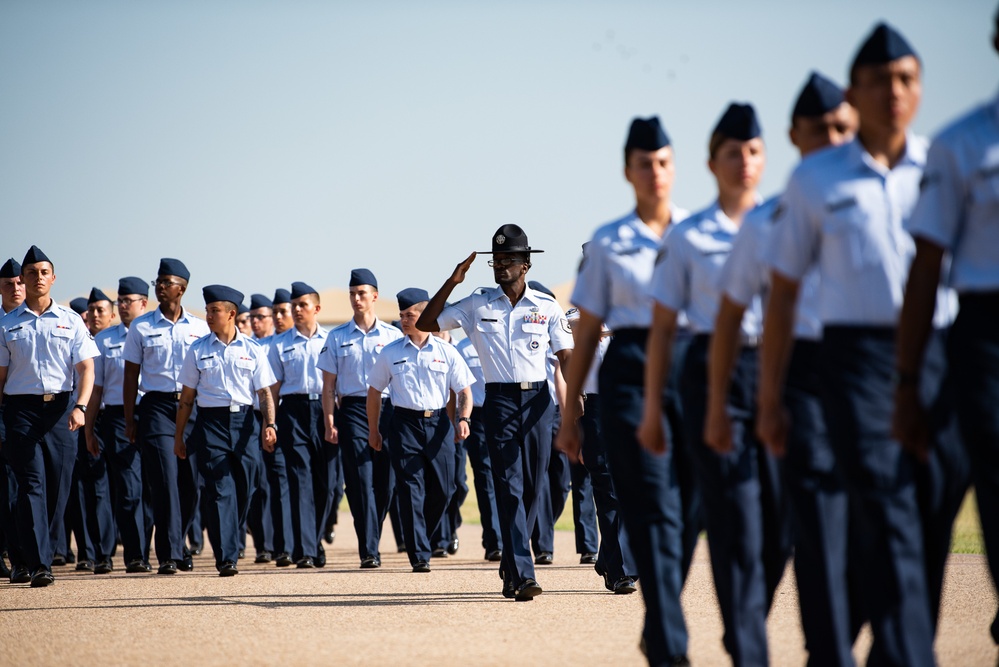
point(509, 250)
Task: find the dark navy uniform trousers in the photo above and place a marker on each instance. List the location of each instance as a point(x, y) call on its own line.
point(974, 357)
point(368, 474)
point(648, 493)
point(8, 499)
point(270, 507)
point(422, 453)
point(746, 513)
point(93, 518)
point(519, 436)
point(554, 494)
point(614, 557)
point(448, 528)
point(227, 461)
point(125, 465)
point(173, 482)
point(61, 447)
point(584, 512)
point(27, 420)
point(482, 481)
point(312, 470)
point(886, 514)
point(683, 456)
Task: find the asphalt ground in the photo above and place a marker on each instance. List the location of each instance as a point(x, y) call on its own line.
point(454, 615)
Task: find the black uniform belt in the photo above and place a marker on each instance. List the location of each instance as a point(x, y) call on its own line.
point(344, 400)
point(979, 300)
point(37, 398)
point(175, 395)
point(301, 397)
point(744, 340)
point(591, 397)
point(423, 414)
point(519, 386)
point(229, 409)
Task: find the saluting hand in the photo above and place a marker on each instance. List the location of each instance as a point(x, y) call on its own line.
point(459, 271)
point(180, 448)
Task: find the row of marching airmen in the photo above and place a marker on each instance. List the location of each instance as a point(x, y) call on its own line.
point(816, 373)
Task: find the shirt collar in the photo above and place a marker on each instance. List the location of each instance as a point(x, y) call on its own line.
point(374, 327)
point(299, 334)
point(429, 345)
point(184, 315)
point(915, 154)
point(498, 293)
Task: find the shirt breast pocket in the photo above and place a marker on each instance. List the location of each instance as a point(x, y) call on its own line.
point(536, 336)
point(437, 367)
point(20, 344)
point(62, 338)
point(985, 194)
point(489, 327)
point(846, 232)
point(348, 351)
point(210, 370)
point(156, 348)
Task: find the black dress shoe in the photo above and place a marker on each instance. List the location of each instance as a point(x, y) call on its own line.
point(58, 560)
point(263, 557)
point(187, 564)
point(196, 549)
point(283, 560)
point(328, 537)
point(242, 554)
point(439, 552)
point(41, 578)
point(104, 566)
point(494, 556)
point(168, 567)
point(20, 575)
point(70, 557)
point(509, 590)
point(624, 586)
point(400, 548)
point(452, 548)
point(544, 558)
point(528, 590)
point(305, 563)
point(138, 566)
point(679, 661)
point(228, 569)
point(370, 563)
point(320, 559)
point(421, 566)
point(85, 566)
point(588, 559)
point(4, 570)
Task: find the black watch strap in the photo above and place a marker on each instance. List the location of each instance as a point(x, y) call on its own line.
point(273, 426)
point(81, 407)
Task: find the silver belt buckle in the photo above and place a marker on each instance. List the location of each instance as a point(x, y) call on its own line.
point(235, 408)
point(524, 386)
point(428, 413)
point(313, 397)
point(48, 398)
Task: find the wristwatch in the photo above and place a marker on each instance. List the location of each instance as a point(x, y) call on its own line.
point(81, 407)
point(273, 426)
point(467, 420)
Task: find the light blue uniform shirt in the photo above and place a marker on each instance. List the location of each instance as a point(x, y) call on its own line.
point(512, 341)
point(109, 366)
point(686, 278)
point(471, 357)
point(613, 280)
point(746, 276)
point(845, 214)
point(958, 205)
point(226, 375)
point(159, 346)
point(40, 352)
point(419, 378)
point(350, 353)
point(294, 357)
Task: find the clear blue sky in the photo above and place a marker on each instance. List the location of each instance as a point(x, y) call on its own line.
point(266, 142)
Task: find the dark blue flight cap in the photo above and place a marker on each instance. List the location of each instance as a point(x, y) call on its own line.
point(535, 285)
point(241, 308)
point(739, 123)
point(79, 304)
point(299, 289)
point(362, 277)
point(133, 285)
point(213, 293)
point(10, 269)
point(281, 295)
point(411, 296)
point(260, 301)
point(646, 134)
point(173, 267)
point(34, 256)
point(97, 295)
point(819, 96)
point(882, 46)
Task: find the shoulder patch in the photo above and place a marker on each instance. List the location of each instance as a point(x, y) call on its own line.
point(564, 323)
point(842, 204)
